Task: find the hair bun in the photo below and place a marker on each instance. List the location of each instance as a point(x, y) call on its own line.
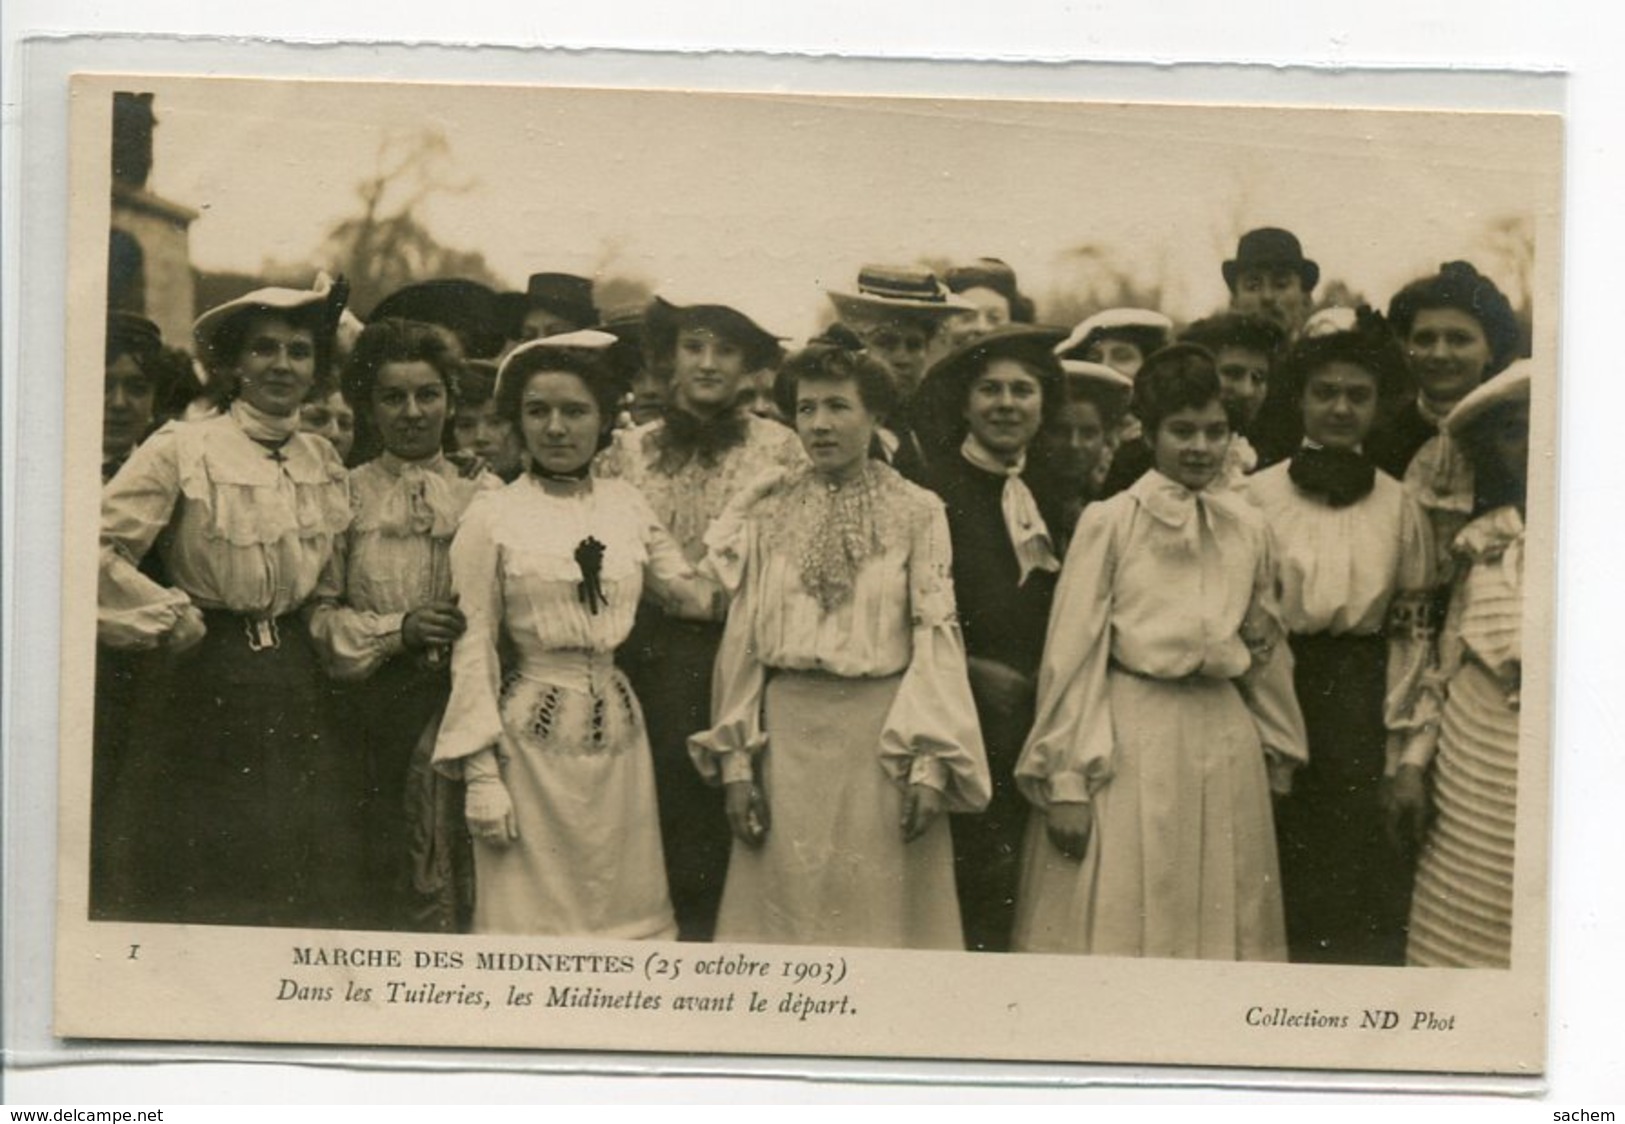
point(1463, 272)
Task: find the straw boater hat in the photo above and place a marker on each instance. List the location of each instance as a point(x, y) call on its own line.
point(322, 303)
point(898, 292)
point(663, 317)
point(1270, 247)
point(1146, 328)
point(1511, 385)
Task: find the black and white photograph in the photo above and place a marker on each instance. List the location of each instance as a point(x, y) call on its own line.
point(832, 576)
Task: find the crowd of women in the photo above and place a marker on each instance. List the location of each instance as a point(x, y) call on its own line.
point(946, 630)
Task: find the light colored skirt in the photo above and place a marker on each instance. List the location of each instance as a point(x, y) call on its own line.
point(834, 869)
point(588, 860)
point(1461, 911)
point(1181, 859)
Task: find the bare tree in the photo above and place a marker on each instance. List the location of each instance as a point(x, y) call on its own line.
point(387, 245)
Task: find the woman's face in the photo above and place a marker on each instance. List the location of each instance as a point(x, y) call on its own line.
point(130, 398)
point(1118, 354)
point(992, 311)
point(560, 421)
point(757, 397)
point(1004, 407)
point(1448, 352)
point(1339, 405)
point(834, 425)
point(1189, 445)
point(480, 431)
point(332, 418)
point(1244, 379)
point(1506, 438)
point(1078, 440)
point(409, 407)
point(277, 365)
point(709, 368)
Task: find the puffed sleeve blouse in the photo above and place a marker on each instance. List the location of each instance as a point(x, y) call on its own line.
point(515, 571)
point(1164, 583)
point(394, 558)
point(239, 526)
point(1366, 569)
point(897, 618)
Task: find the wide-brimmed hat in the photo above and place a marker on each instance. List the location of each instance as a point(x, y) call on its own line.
point(1098, 375)
point(663, 318)
point(563, 294)
point(467, 308)
point(939, 405)
point(322, 303)
point(1145, 327)
point(589, 341)
point(1270, 247)
point(1511, 385)
point(901, 291)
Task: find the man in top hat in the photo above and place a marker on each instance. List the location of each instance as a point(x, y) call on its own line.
point(1270, 277)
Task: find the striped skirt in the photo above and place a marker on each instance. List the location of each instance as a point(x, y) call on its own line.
point(1461, 912)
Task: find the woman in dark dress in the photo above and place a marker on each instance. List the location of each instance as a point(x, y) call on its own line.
point(1354, 560)
point(237, 804)
point(1005, 510)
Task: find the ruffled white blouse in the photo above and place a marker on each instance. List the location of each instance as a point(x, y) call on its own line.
point(1165, 583)
point(899, 618)
point(1362, 570)
point(239, 527)
point(394, 558)
point(515, 571)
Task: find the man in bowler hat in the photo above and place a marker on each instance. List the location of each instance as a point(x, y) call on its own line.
point(1270, 277)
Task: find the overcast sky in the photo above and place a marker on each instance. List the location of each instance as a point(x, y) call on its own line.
point(766, 201)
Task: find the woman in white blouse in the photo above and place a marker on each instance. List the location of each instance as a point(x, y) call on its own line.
point(1165, 709)
point(388, 636)
point(551, 747)
point(843, 721)
point(236, 805)
point(1356, 578)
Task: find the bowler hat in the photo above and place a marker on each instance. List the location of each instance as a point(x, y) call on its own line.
point(1270, 247)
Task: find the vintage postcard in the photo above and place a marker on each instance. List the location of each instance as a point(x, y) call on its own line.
point(760, 574)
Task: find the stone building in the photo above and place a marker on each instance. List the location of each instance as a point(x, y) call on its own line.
point(149, 261)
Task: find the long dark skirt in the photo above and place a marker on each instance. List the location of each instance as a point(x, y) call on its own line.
point(417, 860)
point(988, 845)
point(236, 804)
point(1347, 890)
point(669, 664)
